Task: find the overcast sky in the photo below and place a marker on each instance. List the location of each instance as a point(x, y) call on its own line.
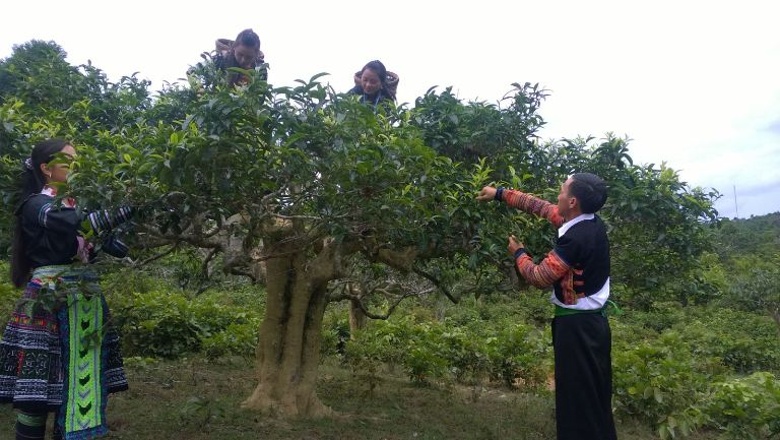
point(695, 84)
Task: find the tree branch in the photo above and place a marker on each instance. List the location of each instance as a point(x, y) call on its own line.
point(170, 250)
point(436, 282)
point(204, 267)
point(358, 300)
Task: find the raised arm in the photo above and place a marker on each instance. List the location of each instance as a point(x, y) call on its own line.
point(103, 221)
point(524, 202)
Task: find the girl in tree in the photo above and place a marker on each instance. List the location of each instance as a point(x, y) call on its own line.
point(59, 352)
point(375, 84)
point(244, 53)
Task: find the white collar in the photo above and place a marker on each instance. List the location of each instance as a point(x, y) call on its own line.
point(580, 218)
point(49, 191)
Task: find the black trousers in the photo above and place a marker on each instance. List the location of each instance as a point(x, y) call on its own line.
point(583, 377)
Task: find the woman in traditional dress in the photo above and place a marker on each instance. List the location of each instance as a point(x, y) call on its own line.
point(59, 352)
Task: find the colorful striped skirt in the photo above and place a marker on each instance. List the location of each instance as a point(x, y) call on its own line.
point(60, 351)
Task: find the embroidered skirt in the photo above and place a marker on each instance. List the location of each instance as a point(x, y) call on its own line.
point(60, 353)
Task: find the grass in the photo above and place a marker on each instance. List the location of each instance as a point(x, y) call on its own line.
point(197, 399)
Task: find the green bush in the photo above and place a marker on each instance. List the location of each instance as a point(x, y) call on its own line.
point(660, 316)
point(424, 360)
point(235, 339)
point(656, 379)
point(8, 295)
point(464, 350)
point(744, 342)
point(8, 298)
point(518, 354)
point(509, 353)
point(335, 332)
point(745, 408)
point(627, 333)
point(164, 323)
point(158, 324)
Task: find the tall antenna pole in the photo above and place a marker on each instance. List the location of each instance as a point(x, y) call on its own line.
point(736, 207)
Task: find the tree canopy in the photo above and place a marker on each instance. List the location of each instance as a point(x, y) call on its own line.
point(308, 190)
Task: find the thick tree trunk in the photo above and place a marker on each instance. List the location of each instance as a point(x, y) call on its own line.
point(288, 351)
point(357, 319)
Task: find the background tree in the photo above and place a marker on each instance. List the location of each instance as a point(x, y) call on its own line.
point(748, 251)
point(42, 96)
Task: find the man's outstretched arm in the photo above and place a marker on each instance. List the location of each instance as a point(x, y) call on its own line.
point(524, 202)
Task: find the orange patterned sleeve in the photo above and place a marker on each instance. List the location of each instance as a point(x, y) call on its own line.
point(532, 205)
point(544, 274)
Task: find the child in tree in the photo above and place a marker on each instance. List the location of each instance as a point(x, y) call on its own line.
point(374, 84)
point(243, 52)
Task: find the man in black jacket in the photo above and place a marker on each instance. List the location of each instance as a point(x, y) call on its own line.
point(578, 271)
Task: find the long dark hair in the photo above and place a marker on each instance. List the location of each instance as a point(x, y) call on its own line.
point(31, 182)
